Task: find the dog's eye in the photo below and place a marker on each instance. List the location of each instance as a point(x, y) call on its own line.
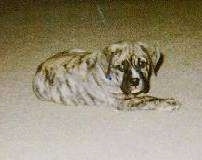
point(142, 63)
point(119, 67)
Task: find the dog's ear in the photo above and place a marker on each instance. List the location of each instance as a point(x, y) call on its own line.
point(109, 56)
point(155, 55)
point(157, 60)
point(115, 54)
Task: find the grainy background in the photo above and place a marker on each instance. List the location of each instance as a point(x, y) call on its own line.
point(31, 31)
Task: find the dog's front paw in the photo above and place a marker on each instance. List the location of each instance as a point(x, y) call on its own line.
point(150, 103)
point(170, 104)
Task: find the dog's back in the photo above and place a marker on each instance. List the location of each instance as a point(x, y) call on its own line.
point(71, 78)
point(52, 71)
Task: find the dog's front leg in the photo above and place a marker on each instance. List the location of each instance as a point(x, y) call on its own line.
point(146, 102)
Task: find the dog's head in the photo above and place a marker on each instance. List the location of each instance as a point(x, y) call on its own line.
point(137, 62)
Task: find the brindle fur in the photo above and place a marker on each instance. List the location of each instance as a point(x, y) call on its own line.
point(78, 77)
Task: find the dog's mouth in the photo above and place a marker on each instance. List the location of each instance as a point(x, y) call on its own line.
point(135, 85)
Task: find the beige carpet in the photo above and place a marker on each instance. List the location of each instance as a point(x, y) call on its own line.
point(31, 129)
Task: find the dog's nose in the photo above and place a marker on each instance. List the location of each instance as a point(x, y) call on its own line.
point(135, 81)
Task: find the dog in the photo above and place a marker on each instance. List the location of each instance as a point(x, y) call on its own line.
point(117, 76)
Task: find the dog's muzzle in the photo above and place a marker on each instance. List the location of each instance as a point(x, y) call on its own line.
point(138, 83)
point(135, 81)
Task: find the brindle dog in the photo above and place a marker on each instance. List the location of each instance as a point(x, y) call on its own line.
point(118, 76)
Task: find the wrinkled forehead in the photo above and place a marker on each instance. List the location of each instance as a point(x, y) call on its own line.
point(135, 51)
point(130, 53)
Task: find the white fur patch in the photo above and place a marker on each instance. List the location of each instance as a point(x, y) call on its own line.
point(77, 50)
